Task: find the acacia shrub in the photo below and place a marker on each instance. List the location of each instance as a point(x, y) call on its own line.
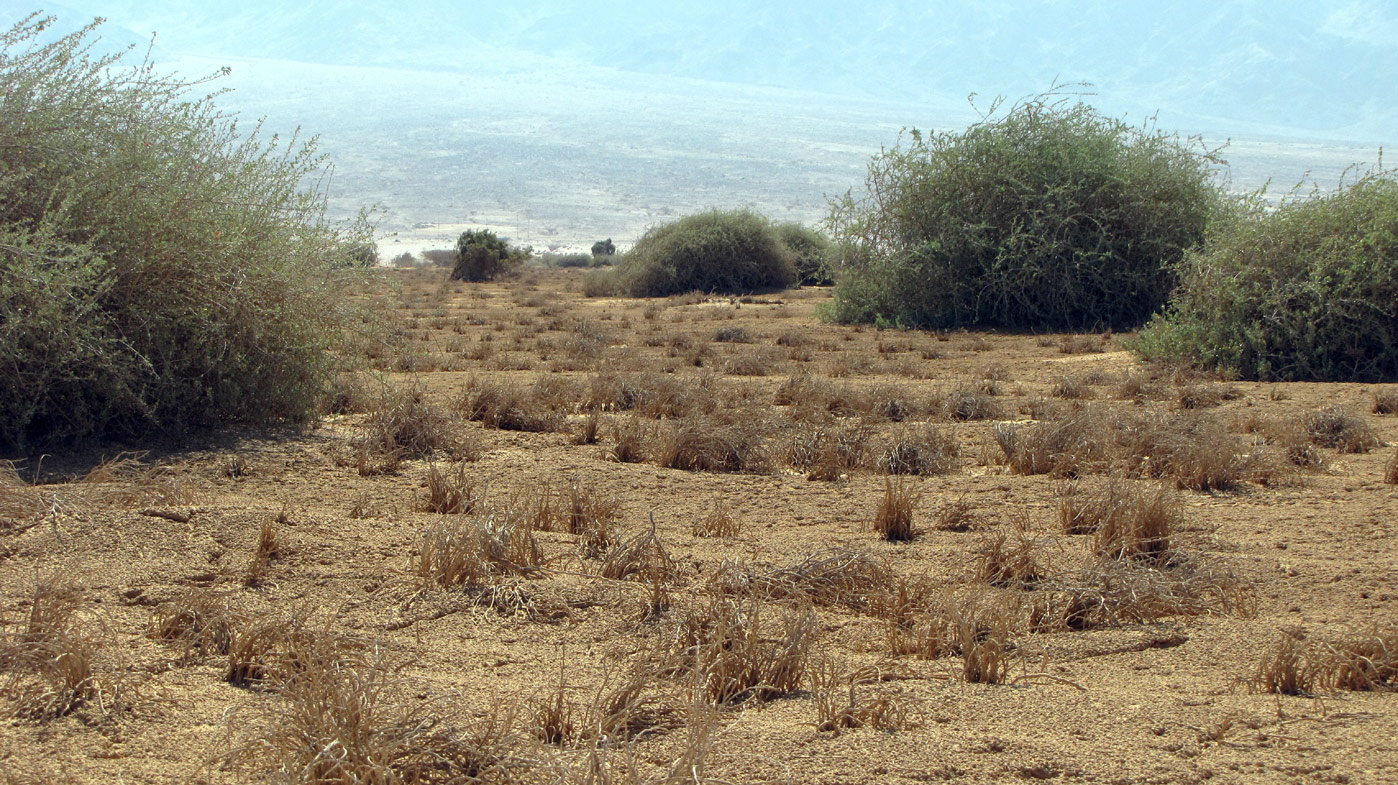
point(1305, 292)
point(814, 253)
point(1049, 216)
point(719, 251)
point(482, 256)
point(160, 267)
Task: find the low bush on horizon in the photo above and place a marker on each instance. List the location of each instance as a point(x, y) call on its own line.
point(1305, 292)
point(716, 252)
point(1048, 216)
point(483, 256)
point(163, 268)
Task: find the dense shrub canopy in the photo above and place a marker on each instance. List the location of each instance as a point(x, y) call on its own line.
point(814, 253)
point(1308, 291)
point(1050, 216)
point(720, 251)
point(158, 268)
point(482, 256)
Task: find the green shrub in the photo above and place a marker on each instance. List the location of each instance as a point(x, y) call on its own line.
point(481, 256)
point(1308, 291)
point(604, 248)
point(160, 267)
point(719, 251)
point(814, 253)
point(1048, 217)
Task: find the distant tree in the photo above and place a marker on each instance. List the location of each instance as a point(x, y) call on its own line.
point(405, 259)
point(604, 248)
point(364, 255)
point(440, 257)
point(482, 256)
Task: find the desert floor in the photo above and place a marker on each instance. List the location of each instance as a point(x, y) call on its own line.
point(282, 606)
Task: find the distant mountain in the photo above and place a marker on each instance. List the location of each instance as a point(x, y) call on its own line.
point(1288, 68)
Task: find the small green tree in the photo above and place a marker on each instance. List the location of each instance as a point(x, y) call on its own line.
point(1048, 216)
point(482, 256)
point(160, 268)
point(719, 251)
point(1305, 292)
point(604, 248)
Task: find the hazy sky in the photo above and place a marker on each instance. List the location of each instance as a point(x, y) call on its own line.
point(1260, 66)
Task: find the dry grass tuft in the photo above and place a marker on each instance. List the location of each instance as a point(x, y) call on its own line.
point(1390, 472)
point(1385, 401)
point(956, 516)
point(631, 440)
point(893, 518)
point(828, 453)
point(734, 655)
point(707, 445)
point(1114, 592)
point(717, 524)
point(1010, 560)
point(839, 706)
point(982, 630)
point(405, 425)
point(1285, 669)
point(451, 492)
point(48, 664)
point(267, 549)
point(832, 577)
point(475, 552)
point(510, 407)
point(965, 403)
point(1335, 427)
point(201, 622)
point(920, 450)
point(349, 721)
point(1129, 520)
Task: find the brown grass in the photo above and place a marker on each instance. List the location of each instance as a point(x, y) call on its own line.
point(265, 551)
point(631, 440)
point(828, 452)
point(718, 523)
point(709, 445)
point(733, 653)
point(1335, 427)
point(923, 449)
point(966, 403)
point(1385, 401)
point(1390, 472)
point(405, 425)
point(1285, 669)
point(47, 666)
point(509, 407)
point(451, 492)
point(958, 515)
point(982, 630)
point(1358, 661)
point(893, 518)
point(1114, 592)
point(1128, 520)
point(831, 577)
point(839, 705)
point(1010, 560)
point(475, 552)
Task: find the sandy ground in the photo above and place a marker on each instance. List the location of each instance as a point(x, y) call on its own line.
point(1310, 550)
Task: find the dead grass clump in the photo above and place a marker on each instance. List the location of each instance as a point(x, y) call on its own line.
point(839, 706)
point(734, 654)
point(828, 453)
point(1071, 387)
point(889, 403)
point(965, 403)
point(451, 492)
point(617, 712)
point(1285, 669)
point(48, 664)
point(831, 577)
point(893, 518)
point(20, 502)
point(1193, 449)
point(589, 429)
point(265, 551)
point(1205, 395)
point(982, 629)
point(1365, 661)
point(475, 552)
point(707, 445)
point(201, 622)
point(956, 516)
point(1060, 448)
point(1128, 520)
point(1010, 560)
point(1335, 427)
point(920, 450)
point(1390, 472)
point(1115, 592)
point(405, 425)
point(508, 407)
point(654, 395)
point(759, 361)
point(631, 439)
point(351, 722)
point(1386, 401)
point(718, 523)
